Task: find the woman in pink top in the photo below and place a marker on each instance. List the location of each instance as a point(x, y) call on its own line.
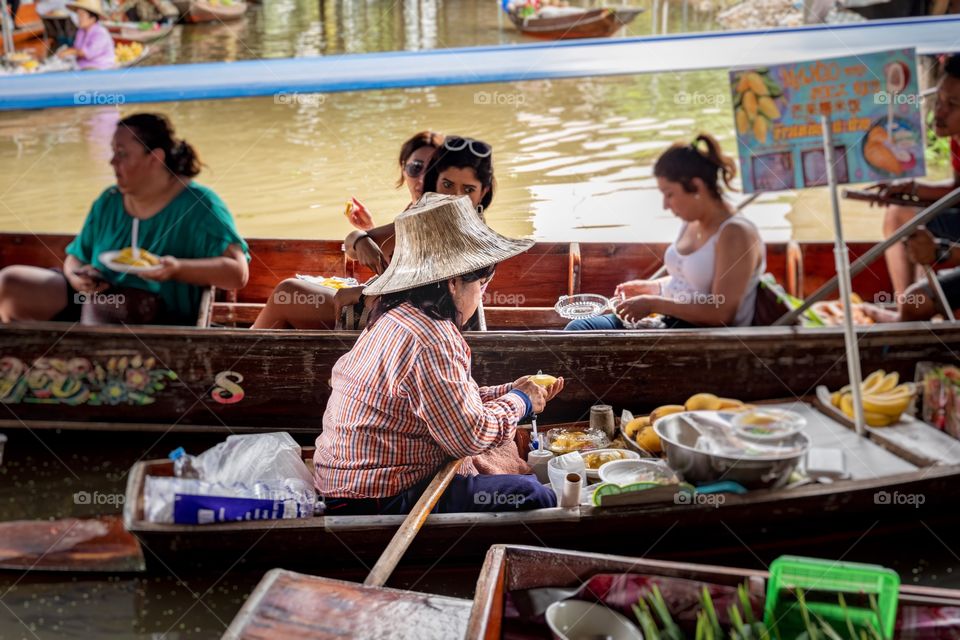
point(93, 46)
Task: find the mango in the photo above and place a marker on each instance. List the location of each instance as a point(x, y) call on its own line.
point(649, 441)
point(750, 104)
point(703, 402)
point(760, 129)
point(635, 425)
point(726, 404)
point(743, 122)
point(542, 379)
point(757, 85)
point(768, 107)
point(665, 410)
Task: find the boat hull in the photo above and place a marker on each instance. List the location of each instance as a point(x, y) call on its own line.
point(595, 23)
point(202, 12)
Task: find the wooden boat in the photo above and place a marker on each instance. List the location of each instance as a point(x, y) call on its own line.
point(289, 604)
point(125, 32)
point(785, 519)
point(202, 11)
point(235, 380)
point(592, 23)
point(70, 545)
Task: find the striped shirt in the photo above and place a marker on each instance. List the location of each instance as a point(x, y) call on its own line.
point(403, 402)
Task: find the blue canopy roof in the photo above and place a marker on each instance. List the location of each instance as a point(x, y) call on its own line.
point(570, 59)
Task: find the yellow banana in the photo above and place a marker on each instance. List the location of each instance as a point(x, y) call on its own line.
point(750, 104)
point(768, 107)
point(879, 419)
point(889, 382)
point(846, 404)
point(873, 380)
point(835, 398)
point(757, 85)
point(886, 405)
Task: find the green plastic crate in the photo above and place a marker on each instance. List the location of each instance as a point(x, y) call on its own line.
point(819, 577)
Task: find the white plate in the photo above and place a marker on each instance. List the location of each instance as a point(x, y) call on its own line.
point(626, 472)
point(594, 474)
point(107, 258)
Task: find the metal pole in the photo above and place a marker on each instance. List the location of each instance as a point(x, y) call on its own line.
point(843, 271)
point(7, 26)
point(938, 293)
point(861, 263)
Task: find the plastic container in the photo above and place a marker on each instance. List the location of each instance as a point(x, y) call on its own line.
point(184, 465)
point(822, 581)
point(582, 305)
point(768, 425)
point(564, 440)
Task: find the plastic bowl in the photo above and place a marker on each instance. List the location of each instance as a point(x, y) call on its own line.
point(626, 472)
point(579, 620)
point(768, 425)
point(625, 454)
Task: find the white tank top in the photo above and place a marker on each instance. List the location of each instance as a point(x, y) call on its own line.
point(691, 275)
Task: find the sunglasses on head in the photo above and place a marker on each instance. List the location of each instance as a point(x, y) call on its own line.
point(414, 168)
point(477, 147)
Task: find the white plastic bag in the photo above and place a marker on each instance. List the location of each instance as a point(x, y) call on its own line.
point(259, 457)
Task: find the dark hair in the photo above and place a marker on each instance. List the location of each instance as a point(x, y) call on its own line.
point(432, 299)
point(154, 131)
point(951, 66)
point(446, 158)
point(95, 17)
point(683, 162)
point(417, 141)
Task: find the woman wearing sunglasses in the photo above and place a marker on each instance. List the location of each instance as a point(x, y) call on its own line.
point(298, 304)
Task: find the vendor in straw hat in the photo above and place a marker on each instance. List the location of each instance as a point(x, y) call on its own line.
point(403, 399)
point(93, 46)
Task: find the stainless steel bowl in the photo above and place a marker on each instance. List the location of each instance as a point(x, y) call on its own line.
point(679, 440)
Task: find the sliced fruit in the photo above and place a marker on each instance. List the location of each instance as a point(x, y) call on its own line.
point(542, 379)
point(703, 402)
point(665, 410)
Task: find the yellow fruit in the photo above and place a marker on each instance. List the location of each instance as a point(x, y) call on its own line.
point(879, 419)
point(760, 129)
point(727, 404)
point(743, 84)
point(889, 382)
point(887, 405)
point(703, 402)
point(846, 404)
point(665, 410)
point(768, 107)
point(632, 427)
point(750, 104)
point(835, 398)
point(542, 379)
point(743, 122)
point(757, 85)
point(873, 380)
point(649, 440)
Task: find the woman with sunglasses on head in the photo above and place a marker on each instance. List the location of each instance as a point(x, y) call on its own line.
point(463, 167)
point(319, 311)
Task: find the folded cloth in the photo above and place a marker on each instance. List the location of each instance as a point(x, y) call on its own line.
point(502, 460)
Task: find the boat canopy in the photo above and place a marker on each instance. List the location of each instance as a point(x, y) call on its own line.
point(477, 65)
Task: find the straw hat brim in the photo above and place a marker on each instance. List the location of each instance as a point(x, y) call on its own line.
point(89, 8)
point(440, 239)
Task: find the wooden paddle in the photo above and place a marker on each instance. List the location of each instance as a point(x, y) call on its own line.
point(411, 525)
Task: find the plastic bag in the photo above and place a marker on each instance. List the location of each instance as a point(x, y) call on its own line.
point(260, 457)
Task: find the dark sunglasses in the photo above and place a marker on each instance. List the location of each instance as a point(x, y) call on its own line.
point(414, 168)
point(477, 147)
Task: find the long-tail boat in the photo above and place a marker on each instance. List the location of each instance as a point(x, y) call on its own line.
point(220, 377)
point(567, 25)
point(890, 461)
point(288, 604)
point(202, 11)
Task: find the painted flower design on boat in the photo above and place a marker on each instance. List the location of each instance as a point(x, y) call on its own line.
point(123, 380)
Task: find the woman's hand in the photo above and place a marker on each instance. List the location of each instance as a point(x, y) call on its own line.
point(359, 217)
point(368, 254)
point(539, 396)
point(168, 270)
point(635, 308)
point(519, 381)
point(633, 288)
point(86, 279)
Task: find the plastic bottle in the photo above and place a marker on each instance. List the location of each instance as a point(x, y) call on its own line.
point(183, 464)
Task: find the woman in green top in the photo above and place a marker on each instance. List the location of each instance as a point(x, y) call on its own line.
point(186, 224)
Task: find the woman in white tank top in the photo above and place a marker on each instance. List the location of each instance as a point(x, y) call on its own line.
point(714, 265)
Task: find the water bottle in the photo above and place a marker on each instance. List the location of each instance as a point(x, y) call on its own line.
point(183, 464)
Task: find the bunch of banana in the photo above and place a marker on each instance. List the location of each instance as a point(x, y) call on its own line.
point(755, 104)
point(884, 399)
point(127, 52)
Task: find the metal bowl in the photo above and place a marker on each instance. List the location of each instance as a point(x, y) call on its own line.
point(679, 440)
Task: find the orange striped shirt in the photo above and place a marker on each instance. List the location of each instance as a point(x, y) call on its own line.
point(403, 402)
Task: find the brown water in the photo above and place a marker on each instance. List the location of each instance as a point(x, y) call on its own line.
point(573, 157)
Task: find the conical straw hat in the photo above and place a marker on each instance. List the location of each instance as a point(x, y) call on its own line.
point(439, 238)
point(93, 6)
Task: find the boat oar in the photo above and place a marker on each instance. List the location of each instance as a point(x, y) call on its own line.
point(411, 525)
point(937, 291)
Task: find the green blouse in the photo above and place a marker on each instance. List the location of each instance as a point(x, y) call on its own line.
point(195, 224)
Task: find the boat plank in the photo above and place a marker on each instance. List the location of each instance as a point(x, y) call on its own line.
point(292, 605)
